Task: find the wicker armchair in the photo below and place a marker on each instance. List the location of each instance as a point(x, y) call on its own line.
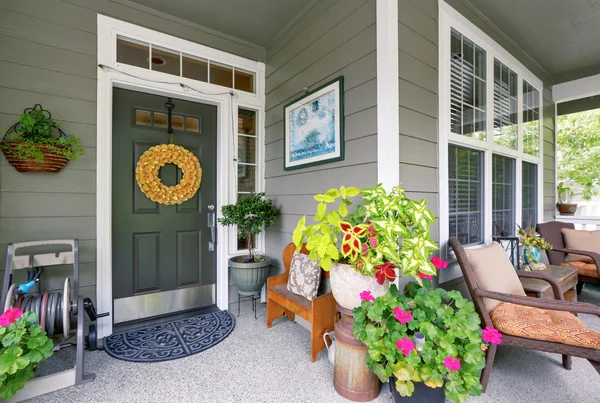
point(551, 232)
point(556, 306)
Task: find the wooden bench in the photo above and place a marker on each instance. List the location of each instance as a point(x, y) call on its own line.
point(280, 301)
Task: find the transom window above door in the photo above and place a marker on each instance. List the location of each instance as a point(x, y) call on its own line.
point(148, 56)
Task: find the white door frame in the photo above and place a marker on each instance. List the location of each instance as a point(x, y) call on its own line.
point(116, 75)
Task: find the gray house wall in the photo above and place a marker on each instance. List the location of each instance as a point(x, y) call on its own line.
point(335, 38)
point(48, 56)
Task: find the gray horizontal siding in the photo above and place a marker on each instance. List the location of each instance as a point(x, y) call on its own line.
point(49, 57)
point(418, 73)
point(335, 38)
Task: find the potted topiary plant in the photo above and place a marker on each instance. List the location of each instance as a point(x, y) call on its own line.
point(23, 345)
point(251, 214)
point(427, 342)
point(37, 144)
point(564, 205)
point(363, 250)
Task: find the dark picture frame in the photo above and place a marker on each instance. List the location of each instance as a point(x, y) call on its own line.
point(314, 127)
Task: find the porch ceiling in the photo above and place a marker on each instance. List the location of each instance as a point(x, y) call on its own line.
point(256, 21)
point(561, 36)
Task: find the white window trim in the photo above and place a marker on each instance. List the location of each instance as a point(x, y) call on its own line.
point(148, 81)
point(450, 18)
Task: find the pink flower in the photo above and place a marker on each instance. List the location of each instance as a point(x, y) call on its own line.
point(365, 247)
point(439, 263)
point(405, 345)
point(373, 242)
point(423, 276)
point(491, 335)
point(10, 316)
point(402, 315)
point(366, 296)
point(452, 363)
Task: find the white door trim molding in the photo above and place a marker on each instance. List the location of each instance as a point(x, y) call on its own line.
point(388, 99)
point(153, 82)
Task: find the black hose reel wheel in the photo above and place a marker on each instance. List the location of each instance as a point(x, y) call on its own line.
point(91, 340)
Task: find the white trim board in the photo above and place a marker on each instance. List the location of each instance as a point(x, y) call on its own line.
point(167, 85)
point(576, 89)
point(388, 97)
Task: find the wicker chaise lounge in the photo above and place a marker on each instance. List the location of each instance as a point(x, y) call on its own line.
point(518, 317)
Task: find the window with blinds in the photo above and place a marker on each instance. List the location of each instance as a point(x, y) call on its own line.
point(529, 195)
point(503, 195)
point(531, 120)
point(505, 106)
point(467, 87)
point(465, 190)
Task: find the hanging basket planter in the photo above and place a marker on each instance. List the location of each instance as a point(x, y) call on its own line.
point(52, 162)
point(37, 144)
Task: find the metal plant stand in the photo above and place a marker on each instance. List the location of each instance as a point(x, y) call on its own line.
point(254, 298)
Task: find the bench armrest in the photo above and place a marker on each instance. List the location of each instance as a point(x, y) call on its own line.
point(558, 292)
point(568, 306)
point(278, 279)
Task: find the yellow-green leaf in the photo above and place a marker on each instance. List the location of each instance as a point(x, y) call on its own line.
point(326, 263)
point(322, 249)
point(343, 210)
point(343, 192)
point(405, 388)
point(333, 252)
point(319, 197)
point(297, 238)
point(333, 193)
point(352, 191)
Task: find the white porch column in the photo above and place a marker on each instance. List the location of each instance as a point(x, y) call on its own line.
point(388, 126)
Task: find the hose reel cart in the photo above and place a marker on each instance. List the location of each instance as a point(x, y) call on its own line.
point(53, 308)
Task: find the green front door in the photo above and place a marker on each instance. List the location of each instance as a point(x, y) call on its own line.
point(163, 260)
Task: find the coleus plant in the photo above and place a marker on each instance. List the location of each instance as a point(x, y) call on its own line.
point(384, 233)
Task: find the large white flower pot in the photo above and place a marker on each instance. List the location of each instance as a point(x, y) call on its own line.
point(347, 284)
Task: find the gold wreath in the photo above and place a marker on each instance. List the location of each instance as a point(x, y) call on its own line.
point(155, 158)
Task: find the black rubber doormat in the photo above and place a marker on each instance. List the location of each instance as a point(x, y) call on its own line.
point(172, 340)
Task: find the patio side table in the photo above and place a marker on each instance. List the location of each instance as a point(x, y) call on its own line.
point(566, 277)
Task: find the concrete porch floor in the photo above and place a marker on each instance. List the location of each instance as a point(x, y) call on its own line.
point(256, 364)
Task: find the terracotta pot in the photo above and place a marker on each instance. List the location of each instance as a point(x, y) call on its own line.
point(566, 208)
point(52, 162)
point(347, 284)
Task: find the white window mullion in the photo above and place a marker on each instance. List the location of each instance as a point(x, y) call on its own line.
point(518, 193)
point(487, 165)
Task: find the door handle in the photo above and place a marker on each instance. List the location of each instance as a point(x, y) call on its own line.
point(211, 224)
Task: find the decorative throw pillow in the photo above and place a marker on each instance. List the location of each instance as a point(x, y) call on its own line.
point(494, 272)
point(305, 276)
point(581, 240)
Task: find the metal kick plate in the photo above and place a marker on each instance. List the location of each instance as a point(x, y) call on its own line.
point(161, 303)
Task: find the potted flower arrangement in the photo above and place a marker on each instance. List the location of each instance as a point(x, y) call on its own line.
point(23, 345)
point(427, 342)
point(533, 244)
point(251, 214)
point(37, 144)
point(564, 205)
point(387, 233)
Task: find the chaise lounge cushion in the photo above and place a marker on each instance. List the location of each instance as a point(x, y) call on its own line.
point(581, 240)
point(542, 324)
point(305, 276)
point(494, 272)
point(583, 268)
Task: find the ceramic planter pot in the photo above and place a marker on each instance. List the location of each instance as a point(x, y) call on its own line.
point(422, 393)
point(347, 284)
point(249, 277)
point(566, 208)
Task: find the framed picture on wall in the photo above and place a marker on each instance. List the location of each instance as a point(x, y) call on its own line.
point(314, 127)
